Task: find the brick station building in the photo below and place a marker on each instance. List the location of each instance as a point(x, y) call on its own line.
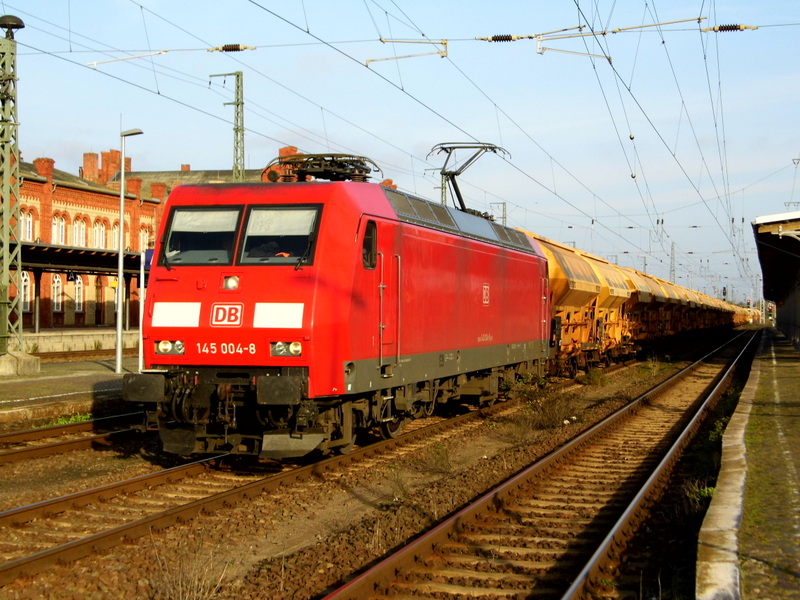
point(68, 233)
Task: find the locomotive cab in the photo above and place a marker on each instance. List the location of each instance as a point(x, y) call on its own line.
point(281, 318)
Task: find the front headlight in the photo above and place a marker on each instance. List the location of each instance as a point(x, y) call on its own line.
point(170, 347)
point(285, 349)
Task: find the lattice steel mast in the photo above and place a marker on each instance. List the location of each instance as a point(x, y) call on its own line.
point(238, 125)
point(10, 313)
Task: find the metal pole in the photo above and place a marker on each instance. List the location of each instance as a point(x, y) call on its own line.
point(237, 174)
point(120, 246)
point(10, 258)
point(141, 310)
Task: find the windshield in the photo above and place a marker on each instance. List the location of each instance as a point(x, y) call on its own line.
point(279, 235)
point(199, 236)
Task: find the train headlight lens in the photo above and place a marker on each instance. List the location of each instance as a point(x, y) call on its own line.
point(231, 283)
point(286, 349)
point(170, 347)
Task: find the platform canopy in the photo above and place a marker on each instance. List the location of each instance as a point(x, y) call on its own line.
point(73, 259)
point(778, 245)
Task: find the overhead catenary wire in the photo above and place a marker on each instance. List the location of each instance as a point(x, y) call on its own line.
point(682, 168)
point(393, 15)
point(202, 82)
point(322, 108)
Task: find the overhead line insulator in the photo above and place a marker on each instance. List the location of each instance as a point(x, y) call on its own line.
point(506, 38)
point(721, 28)
point(231, 48)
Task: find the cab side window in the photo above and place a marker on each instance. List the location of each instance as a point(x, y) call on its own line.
point(369, 248)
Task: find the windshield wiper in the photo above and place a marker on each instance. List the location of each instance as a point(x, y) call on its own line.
point(304, 257)
point(166, 262)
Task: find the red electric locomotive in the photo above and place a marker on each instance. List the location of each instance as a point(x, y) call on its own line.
point(284, 317)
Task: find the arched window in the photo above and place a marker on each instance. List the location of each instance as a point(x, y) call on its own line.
point(26, 229)
point(144, 239)
point(58, 293)
point(26, 292)
point(99, 234)
point(78, 294)
point(79, 233)
point(59, 233)
point(115, 237)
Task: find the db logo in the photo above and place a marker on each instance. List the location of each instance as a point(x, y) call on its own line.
point(226, 315)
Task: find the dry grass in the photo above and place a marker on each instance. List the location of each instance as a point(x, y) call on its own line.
point(436, 459)
point(194, 573)
point(542, 409)
point(398, 484)
point(594, 377)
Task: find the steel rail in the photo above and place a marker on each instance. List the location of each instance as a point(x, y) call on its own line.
point(81, 355)
point(52, 506)
point(81, 443)
point(35, 563)
point(61, 447)
point(589, 582)
point(383, 573)
point(30, 565)
point(29, 435)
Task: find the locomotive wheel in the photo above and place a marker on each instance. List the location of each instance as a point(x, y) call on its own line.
point(487, 401)
point(424, 409)
point(429, 408)
point(392, 429)
point(572, 368)
point(347, 448)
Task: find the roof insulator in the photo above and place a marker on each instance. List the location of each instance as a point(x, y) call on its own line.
point(721, 28)
point(231, 48)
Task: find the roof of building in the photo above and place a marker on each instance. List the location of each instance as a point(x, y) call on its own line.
point(778, 245)
point(28, 171)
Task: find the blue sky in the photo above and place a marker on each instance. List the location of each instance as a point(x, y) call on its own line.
point(658, 159)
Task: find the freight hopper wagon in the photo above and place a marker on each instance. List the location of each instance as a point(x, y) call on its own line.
point(283, 318)
point(588, 297)
point(602, 312)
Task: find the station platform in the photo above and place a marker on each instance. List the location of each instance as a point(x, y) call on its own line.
point(22, 361)
point(62, 389)
point(749, 546)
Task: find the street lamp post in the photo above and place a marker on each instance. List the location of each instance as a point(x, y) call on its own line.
point(120, 245)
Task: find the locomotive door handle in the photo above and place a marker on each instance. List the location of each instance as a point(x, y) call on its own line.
point(381, 326)
point(393, 335)
point(399, 305)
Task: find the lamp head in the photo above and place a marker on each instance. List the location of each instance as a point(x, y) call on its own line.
point(10, 23)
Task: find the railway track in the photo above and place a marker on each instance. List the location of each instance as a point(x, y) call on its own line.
point(79, 355)
point(35, 537)
point(559, 528)
point(61, 530)
point(57, 439)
